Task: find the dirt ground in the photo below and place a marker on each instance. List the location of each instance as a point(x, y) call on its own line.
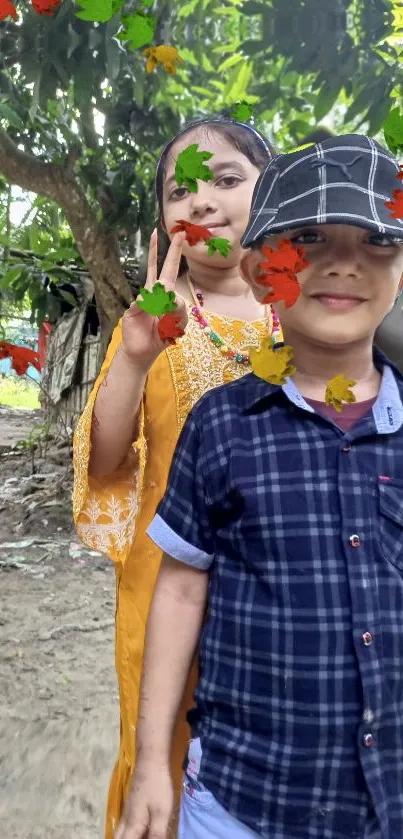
point(58, 692)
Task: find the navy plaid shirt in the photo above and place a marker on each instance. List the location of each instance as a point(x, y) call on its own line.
point(299, 704)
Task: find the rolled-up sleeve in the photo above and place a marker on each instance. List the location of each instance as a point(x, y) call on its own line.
point(181, 526)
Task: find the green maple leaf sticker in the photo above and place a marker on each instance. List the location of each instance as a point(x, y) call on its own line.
point(190, 166)
point(99, 11)
point(139, 29)
point(216, 243)
point(393, 131)
point(242, 112)
point(158, 301)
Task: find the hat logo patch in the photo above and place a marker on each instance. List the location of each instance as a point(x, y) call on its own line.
point(331, 161)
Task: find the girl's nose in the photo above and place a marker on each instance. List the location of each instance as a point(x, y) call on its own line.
point(203, 200)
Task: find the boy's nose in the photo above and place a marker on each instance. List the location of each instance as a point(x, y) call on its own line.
point(343, 259)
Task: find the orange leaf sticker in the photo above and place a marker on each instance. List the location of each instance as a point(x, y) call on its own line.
point(273, 366)
point(194, 232)
point(338, 391)
point(21, 357)
point(285, 286)
point(7, 9)
point(279, 272)
point(46, 7)
point(286, 258)
point(169, 327)
point(168, 57)
point(397, 204)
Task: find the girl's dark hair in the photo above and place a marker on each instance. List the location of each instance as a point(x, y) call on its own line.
point(240, 135)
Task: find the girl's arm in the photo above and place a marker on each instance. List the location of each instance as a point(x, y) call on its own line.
point(115, 416)
point(114, 426)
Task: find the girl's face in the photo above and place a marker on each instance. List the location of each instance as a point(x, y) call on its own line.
point(221, 204)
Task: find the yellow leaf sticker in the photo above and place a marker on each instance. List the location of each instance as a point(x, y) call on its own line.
point(168, 57)
point(338, 391)
point(273, 366)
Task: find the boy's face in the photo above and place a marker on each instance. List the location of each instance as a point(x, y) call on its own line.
point(350, 285)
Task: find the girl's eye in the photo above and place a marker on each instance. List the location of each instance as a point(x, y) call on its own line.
point(227, 181)
point(180, 189)
point(235, 180)
point(307, 237)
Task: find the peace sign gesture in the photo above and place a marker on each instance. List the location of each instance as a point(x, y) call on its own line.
point(141, 341)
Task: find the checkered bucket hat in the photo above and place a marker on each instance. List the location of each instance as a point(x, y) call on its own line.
point(343, 180)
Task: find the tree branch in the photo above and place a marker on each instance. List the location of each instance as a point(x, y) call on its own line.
point(99, 250)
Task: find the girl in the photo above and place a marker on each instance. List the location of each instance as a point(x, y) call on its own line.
point(127, 433)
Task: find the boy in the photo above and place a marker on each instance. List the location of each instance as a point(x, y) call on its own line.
point(285, 519)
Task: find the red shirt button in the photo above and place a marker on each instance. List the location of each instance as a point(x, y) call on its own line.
point(355, 541)
point(368, 740)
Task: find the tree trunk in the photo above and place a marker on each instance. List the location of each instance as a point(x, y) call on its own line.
point(99, 250)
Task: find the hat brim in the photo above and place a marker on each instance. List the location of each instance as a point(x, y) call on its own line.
point(360, 202)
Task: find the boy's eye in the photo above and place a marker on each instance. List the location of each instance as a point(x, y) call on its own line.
point(306, 237)
point(383, 240)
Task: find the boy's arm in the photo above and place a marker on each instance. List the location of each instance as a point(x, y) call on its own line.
point(181, 528)
point(173, 629)
point(172, 635)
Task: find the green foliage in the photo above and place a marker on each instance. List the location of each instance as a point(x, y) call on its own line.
point(393, 131)
point(76, 80)
point(43, 249)
point(18, 393)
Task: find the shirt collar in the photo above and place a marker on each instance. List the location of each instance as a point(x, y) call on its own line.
point(387, 410)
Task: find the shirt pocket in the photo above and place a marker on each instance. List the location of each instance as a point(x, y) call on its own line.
point(391, 520)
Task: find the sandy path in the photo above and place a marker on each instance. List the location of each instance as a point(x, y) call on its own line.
point(58, 693)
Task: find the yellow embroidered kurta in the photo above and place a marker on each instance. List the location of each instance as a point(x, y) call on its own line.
point(112, 514)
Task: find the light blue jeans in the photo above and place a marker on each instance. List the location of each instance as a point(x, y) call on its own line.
point(201, 815)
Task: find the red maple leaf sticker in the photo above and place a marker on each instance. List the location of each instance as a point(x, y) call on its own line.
point(46, 7)
point(169, 327)
point(286, 258)
point(21, 357)
point(7, 9)
point(396, 205)
point(194, 232)
point(284, 285)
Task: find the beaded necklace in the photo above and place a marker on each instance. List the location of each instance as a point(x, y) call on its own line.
point(240, 358)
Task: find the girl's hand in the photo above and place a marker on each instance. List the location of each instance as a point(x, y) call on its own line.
point(141, 342)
